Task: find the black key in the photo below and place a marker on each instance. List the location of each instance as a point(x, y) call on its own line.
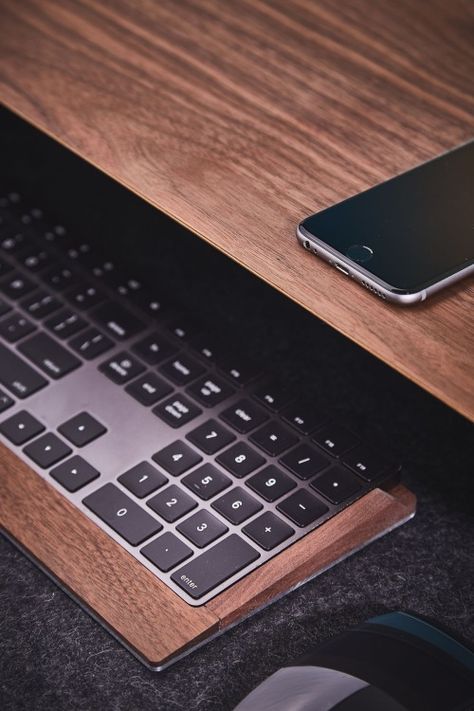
point(337, 484)
point(273, 438)
point(17, 376)
point(122, 368)
point(365, 462)
point(183, 328)
point(5, 268)
point(15, 285)
point(335, 439)
point(238, 369)
point(117, 321)
point(268, 531)
point(302, 508)
point(40, 304)
point(271, 483)
point(202, 528)
point(124, 285)
point(142, 479)
point(127, 518)
point(216, 565)
point(177, 458)
point(15, 242)
point(49, 355)
point(85, 296)
point(240, 459)
point(244, 416)
point(154, 349)
point(207, 481)
point(79, 252)
point(304, 461)
point(91, 343)
point(5, 401)
point(176, 411)
point(35, 259)
point(182, 369)
point(15, 327)
point(210, 390)
point(82, 429)
point(166, 552)
point(172, 503)
point(65, 323)
point(100, 268)
point(149, 389)
point(60, 278)
point(237, 505)
point(272, 394)
point(206, 347)
point(4, 307)
point(47, 450)
point(303, 416)
point(74, 473)
point(210, 436)
point(148, 302)
point(57, 234)
point(21, 427)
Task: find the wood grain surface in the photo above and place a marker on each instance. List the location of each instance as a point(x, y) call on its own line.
point(342, 535)
point(130, 600)
point(239, 118)
point(105, 578)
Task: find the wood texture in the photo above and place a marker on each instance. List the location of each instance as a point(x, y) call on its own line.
point(102, 575)
point(239, 118)
point(130, 600)
point(365, 520)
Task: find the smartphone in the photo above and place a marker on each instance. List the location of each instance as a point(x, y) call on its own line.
point(406, 238)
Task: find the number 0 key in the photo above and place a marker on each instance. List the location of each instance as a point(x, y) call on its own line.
point(122, 514)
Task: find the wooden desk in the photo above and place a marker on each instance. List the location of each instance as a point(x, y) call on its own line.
point(238, 118)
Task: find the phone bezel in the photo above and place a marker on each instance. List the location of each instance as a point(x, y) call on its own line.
point(369, 280)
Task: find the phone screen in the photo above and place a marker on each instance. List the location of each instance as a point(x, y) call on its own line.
point(412, 230)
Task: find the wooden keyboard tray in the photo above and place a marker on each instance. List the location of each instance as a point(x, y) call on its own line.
point(136, 607)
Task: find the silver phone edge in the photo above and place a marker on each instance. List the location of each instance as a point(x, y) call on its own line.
point(384, 291)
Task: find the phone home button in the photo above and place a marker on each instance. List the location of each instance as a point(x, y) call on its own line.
point(360, 253)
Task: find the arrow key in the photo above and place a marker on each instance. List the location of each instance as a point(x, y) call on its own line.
point(82, 429)
point(74, 473)
point(47, 450)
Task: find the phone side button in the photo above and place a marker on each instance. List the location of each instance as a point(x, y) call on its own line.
point(342, 269)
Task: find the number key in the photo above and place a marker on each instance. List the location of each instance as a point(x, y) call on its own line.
point(240, 459)
point(202, 528)
point(122, 514)
point(237, 505)
point(142, 479)
point(271, 483)
point(210, 436)
point(177, 458)
point(172, 503)
point(206, 481)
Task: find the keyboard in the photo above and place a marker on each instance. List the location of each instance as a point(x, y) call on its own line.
point(162, 432)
